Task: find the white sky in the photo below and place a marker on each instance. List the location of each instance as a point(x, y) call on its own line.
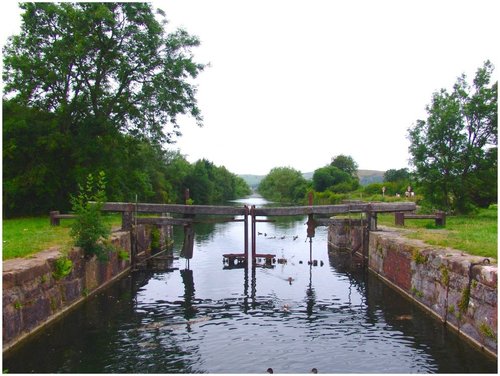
point(294, 83)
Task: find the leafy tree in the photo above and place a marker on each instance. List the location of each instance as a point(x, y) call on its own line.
point(454, 150)
point(283, 184)
point(102, 66)
point(177, 170)
point(241, 187)
point(93, 87)
point(345, 163)
point(393, 175)
point(32, 163)
point(209, 184)
point(333, 178)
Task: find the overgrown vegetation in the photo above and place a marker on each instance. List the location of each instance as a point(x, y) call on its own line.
point(62, 267)
point(155, 238)
point(89, 230)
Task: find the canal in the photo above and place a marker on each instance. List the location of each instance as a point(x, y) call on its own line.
point(290, 317)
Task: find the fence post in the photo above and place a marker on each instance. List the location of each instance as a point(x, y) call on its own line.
point(127, 218)
point(54, 219)
point(399, 218)
point(440, 218)
point(371, 217)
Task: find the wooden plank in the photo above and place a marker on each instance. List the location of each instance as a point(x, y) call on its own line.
point(65, 216)
point(379, 207)
point(173, 208)
point(182, 221)
point(420, 216)
point(389, 207)
point(164, 221)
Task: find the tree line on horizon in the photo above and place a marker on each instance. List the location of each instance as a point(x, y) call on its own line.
point(93, 87)
point(330, 184)
point(453, 155)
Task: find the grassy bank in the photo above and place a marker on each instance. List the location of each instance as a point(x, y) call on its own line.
point(22, 237)
point(475, 234)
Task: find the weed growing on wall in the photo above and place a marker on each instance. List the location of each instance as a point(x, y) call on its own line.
point(89, 230)
point(155, 238)
point(62, 267)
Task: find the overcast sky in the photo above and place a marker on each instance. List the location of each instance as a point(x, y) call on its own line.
point(294, 83)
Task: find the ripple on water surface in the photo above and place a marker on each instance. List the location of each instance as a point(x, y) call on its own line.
point(291, 317)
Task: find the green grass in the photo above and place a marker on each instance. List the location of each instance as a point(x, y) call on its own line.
point(476, 234)
point(22, 237)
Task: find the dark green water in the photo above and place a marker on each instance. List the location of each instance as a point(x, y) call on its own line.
point(213, 320)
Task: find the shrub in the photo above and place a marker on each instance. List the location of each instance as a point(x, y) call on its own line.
point(89, 229)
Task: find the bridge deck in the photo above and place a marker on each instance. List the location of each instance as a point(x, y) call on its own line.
point(373, 207)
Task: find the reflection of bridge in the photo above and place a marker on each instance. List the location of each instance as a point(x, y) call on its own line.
point(318, 215)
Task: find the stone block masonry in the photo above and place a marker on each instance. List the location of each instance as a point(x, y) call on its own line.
point(460, 289)
point(33, 297)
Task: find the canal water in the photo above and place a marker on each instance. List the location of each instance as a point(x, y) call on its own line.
point(291, 317)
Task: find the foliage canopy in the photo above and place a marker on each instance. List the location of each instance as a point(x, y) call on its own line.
point(454, 150)
point(345, 163)
point(283, 184)
point(106, 66)
point(98, 87)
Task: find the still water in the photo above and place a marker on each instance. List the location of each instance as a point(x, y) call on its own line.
point(206, 319)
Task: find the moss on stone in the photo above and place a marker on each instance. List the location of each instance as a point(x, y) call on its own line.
point(463, 304)
point(487, 331)
point(418, 257)
point(416, 292)
point(445, 275)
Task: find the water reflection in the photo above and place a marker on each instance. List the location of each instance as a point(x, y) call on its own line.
point(295, 316)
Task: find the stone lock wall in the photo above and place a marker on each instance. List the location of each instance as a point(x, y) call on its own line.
point(32, 296)
point(346, 234)
point(459, 289)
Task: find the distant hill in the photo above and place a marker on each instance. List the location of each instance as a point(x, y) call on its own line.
point(365, 177)
point(370, 176)
point(252, 180)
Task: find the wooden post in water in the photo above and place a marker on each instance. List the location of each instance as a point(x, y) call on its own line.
point(254, 237)
point(245, 233)
point(188, 246)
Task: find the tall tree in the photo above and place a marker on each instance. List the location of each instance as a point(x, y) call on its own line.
point(345, 163)
point(453, 148)
point(103, 66)
point(91, 87)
